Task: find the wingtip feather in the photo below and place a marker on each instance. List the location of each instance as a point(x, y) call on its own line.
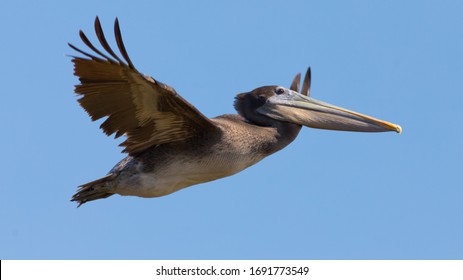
point(306, 83)
point(296, 82)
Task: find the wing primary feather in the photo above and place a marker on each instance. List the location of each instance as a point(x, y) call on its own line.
point(296, 82)
point(120, 43)
point(306, 83)
point(84, 53)
point(119, 134)
point(92, 47)
point(103, 42)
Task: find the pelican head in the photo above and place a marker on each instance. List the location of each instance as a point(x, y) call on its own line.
point(266, 104)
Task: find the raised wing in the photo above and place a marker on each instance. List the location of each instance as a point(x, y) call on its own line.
point(147, 111)
point(296, 82)
point(305, 85)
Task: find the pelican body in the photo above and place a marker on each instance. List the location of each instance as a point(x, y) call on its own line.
point(171, 145)
point(170, 167)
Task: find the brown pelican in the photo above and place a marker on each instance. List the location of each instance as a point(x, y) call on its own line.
point(170, 144)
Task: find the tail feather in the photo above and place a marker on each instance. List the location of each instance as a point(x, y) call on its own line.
point(93, 190)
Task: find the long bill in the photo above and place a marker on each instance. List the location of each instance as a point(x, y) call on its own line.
point(299, 109)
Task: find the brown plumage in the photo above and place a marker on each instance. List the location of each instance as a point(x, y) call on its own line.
point(146, 111)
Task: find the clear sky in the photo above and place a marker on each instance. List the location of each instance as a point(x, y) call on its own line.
point(328, 195)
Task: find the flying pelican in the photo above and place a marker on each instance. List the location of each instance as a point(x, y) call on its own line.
point(170, 144)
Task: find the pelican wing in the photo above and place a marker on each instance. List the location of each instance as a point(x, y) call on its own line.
point(147, 111)
point(295, 85)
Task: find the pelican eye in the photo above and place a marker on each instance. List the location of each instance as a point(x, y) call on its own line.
point(280, 91)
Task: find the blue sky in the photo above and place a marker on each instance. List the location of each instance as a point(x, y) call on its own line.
point(329, 195)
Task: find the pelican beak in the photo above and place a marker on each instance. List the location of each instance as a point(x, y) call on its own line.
point(294, 107)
